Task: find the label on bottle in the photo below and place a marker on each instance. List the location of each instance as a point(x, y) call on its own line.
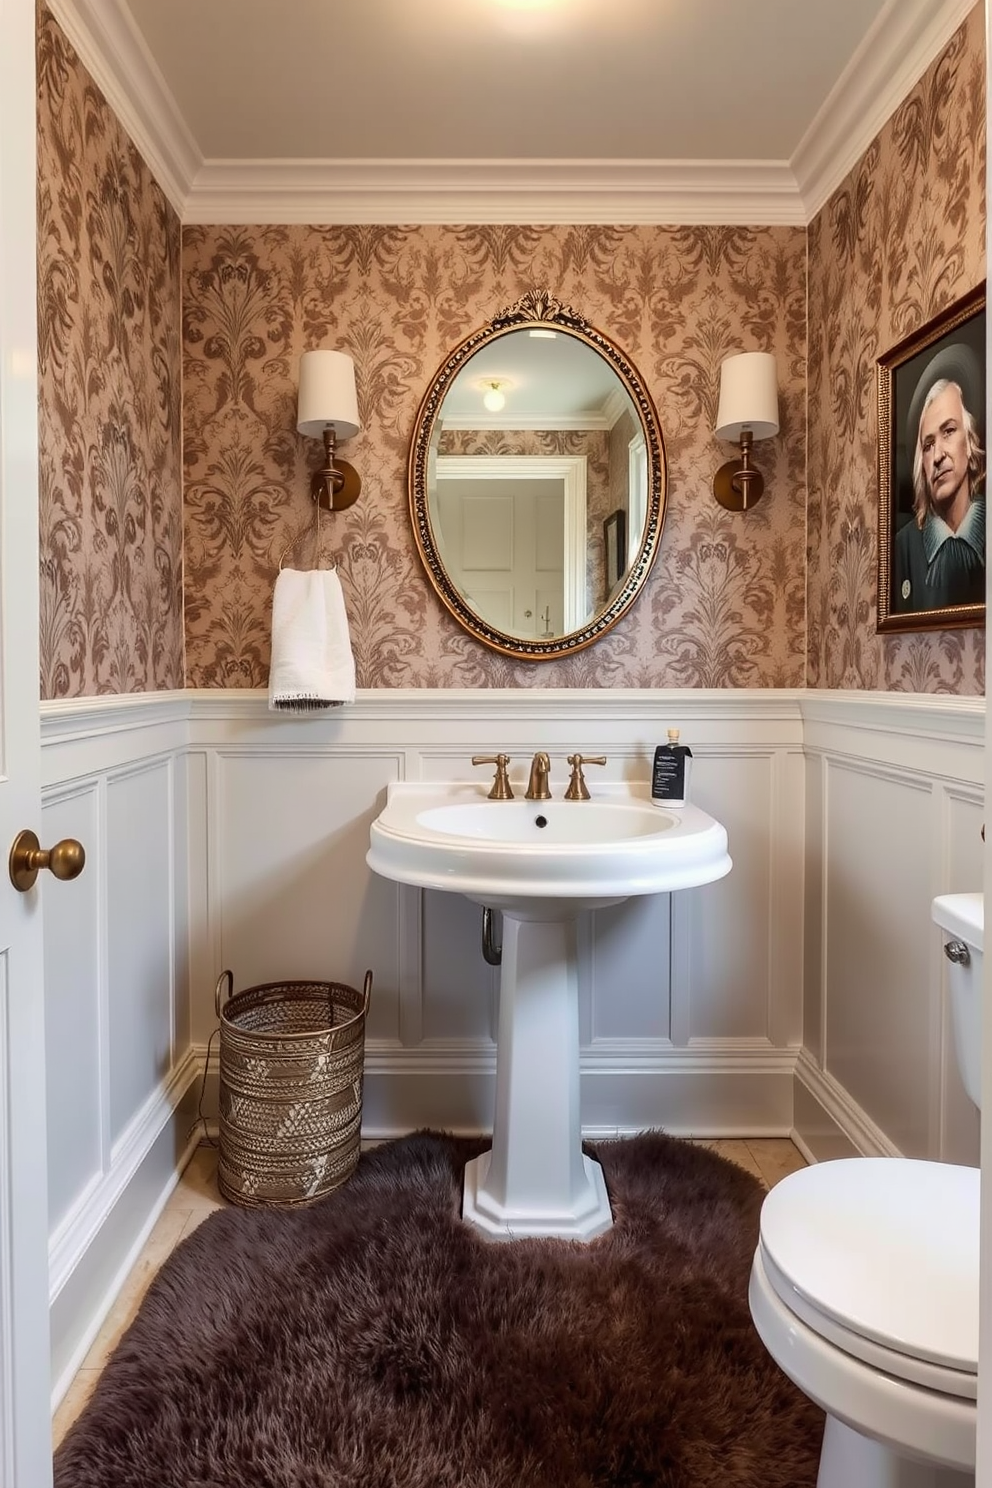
point(670, 776)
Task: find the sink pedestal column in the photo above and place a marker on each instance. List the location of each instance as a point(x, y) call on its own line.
point(536, 1179)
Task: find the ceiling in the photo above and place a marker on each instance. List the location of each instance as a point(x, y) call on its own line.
point(682, 110)
point(431, 79)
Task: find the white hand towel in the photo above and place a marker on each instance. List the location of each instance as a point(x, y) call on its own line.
point(312, 664)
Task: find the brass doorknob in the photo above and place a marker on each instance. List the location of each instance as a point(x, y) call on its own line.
point(27, 857)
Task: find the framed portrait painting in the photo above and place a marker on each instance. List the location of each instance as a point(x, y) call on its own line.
point(931, 473)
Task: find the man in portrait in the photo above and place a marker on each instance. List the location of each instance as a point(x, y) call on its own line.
point(940, 550)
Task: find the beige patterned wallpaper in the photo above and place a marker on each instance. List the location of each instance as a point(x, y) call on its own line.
point(903, 237)
point(725, 603)
point(109, 397)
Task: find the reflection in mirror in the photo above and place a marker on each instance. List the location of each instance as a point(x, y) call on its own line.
point(535, 434)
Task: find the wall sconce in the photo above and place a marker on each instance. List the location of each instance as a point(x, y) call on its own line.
point(748, 411)
point(328, 410)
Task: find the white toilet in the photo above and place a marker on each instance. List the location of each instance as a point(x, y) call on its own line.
point(864, 1287)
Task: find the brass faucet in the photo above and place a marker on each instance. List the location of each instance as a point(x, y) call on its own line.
point(537, 785)
point(577, 788)
point(501, 785)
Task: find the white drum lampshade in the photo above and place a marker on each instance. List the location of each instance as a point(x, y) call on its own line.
point(327, 395)
point(748, 396)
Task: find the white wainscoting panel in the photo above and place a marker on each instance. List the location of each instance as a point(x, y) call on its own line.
point(729, 940)
point(120, 1069)
point(625, 971)
point(459, 989)
point(289, 883)
point(894, 813)
point(804, 993)
point(814, 906)
point(75, 1008)
point(877, 1031)
point(194, 903)
point(140, 963)
point(290, 801)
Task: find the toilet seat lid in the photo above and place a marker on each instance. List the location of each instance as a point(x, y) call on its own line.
point(887, 1248)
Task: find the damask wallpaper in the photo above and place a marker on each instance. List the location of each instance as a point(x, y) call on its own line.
point(725, 603)
point(109, 397)
point(780, 597)
point(902, 237)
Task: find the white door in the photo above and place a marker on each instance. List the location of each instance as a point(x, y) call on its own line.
point(25, 1424)
point(503, 546)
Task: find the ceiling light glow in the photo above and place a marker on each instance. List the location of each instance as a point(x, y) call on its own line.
point(494, 399)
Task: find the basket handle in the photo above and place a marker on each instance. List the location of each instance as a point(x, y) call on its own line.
point(367, 991)
point(227, 976)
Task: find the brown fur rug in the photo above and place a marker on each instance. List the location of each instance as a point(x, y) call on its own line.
point(374, 1341)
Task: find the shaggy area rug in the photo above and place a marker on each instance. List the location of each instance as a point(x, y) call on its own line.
point(373, 1339)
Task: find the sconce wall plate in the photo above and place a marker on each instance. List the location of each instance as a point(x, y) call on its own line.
point(729, 491)
point(332, 494)
point(336, 485)
point(738, 485)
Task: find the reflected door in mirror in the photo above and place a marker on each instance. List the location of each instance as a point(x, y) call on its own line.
point(503, 543)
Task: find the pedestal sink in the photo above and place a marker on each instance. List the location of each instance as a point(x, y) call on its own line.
point(542, 863)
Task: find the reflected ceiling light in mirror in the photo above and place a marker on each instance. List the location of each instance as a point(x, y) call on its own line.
point(748, 411)
point(543, 335)
point(494, 398)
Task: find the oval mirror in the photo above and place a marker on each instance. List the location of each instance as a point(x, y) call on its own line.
point(537, 481)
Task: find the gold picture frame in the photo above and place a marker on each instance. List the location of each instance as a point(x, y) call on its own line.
point(924, 475)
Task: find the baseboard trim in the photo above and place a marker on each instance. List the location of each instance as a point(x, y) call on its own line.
point(838, 1126)
point(99, 1243)
point(712, 1089)
point(77, 1230)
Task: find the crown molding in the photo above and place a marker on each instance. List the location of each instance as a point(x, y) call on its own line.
point(482, 191)
point(115, 55)
point(905, 39)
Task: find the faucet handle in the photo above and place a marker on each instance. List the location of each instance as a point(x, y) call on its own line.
point(577, 788)
point(501, 785)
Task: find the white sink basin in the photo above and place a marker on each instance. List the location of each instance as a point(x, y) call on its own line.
point(450, 836)
point(543, 863)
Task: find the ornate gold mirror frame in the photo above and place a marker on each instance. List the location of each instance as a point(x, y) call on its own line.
point(537, 310)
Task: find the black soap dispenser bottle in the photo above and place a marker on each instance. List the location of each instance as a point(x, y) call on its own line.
point(670, 776)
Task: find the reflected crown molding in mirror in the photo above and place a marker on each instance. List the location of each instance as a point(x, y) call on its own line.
point(511, 514)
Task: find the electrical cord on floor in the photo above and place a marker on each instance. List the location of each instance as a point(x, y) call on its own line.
point(201, 1119)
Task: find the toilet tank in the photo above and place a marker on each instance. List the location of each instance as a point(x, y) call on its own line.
point(961, 918)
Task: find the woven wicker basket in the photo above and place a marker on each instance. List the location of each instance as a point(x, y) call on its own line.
point(291, 1066)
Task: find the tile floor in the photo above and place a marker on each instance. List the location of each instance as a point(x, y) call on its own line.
point(195, 1196)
